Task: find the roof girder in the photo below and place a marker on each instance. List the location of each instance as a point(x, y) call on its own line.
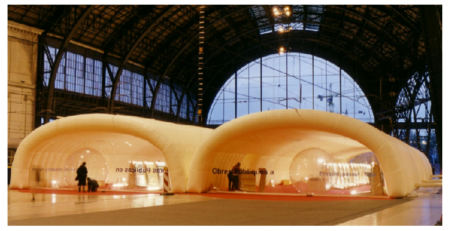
point(133, 46)
point(76, 25)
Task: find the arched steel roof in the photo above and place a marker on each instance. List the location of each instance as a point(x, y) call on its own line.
point(373, 43)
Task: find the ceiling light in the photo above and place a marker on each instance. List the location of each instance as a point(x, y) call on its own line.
point(281, 50)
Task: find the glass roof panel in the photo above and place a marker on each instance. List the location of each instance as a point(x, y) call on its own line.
point(297, 20)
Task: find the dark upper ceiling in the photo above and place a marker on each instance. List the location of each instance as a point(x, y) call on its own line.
point(369, 42)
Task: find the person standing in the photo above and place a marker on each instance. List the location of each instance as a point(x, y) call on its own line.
point(35, 182)
point(230, 177)
point(236, 176)
point(82, 173)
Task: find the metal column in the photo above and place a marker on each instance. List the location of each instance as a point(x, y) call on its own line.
point(236, 94)
point(340, 90)
point(248, 90)
point(327, 93)
point(300, 82)
point(200, 79)
point(313, 82)
point(286, 80)
point(261, 84)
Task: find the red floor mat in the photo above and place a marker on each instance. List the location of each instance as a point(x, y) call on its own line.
point(290, 189)
point(75, 192)
point(287, 198)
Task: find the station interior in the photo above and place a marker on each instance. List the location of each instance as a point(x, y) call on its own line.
point(203, 115)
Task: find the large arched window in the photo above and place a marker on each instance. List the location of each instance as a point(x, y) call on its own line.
point(289, 80)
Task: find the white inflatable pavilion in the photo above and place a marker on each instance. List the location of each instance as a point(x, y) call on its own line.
point(109, 144)
point(270, 140)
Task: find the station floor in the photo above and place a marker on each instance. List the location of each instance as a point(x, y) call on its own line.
point(225, 208)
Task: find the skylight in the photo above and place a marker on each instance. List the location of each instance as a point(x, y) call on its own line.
point(298, 18)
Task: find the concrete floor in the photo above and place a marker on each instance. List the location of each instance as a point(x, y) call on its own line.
point(60, 209)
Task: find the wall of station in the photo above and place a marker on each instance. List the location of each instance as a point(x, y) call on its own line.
point(22, 72)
